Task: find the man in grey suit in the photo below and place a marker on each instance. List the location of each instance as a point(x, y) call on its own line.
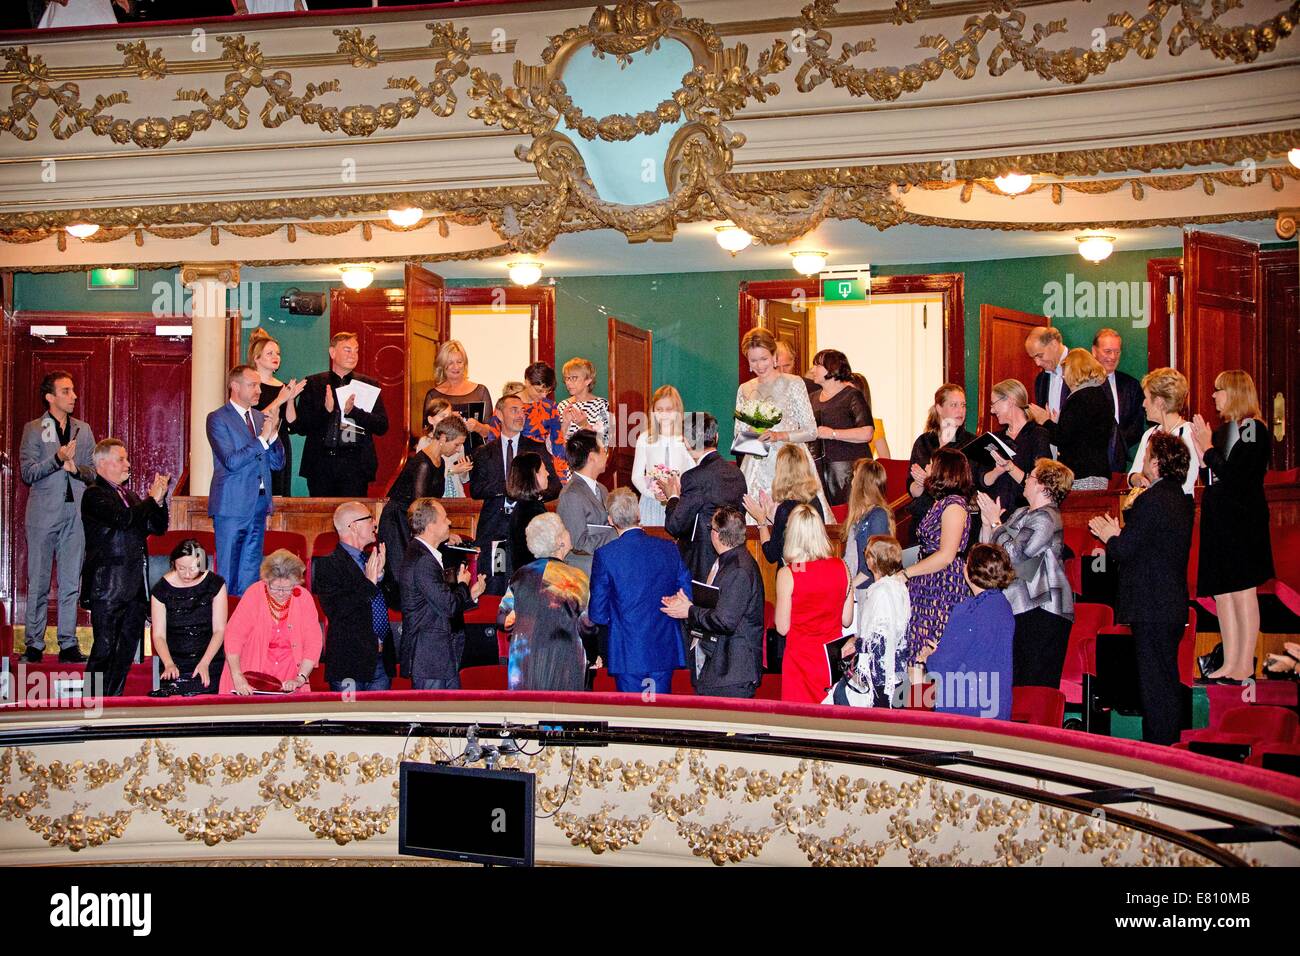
point(582, 503)
point(55, 459)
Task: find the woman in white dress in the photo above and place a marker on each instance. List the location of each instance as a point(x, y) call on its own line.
point(1164, 398)
point(80, 13)
point(660, 444)
point(786, 392)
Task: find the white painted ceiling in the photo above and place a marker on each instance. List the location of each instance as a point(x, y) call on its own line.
point(694, 249)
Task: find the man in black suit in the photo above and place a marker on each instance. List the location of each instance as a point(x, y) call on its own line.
point(359, 644)
point(1126, 396)
point(433, 626)
point(113, 576)
point(487, 479)
point(1047, 349)
point(693, 497)
point(339, 458)
point(1152, 553)
point(725, 651)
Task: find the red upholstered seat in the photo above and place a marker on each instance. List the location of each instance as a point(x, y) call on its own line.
point(1081, 650)
point(324, 543)
point(486, 612)
point(603, 683)
point(682, 681)
point(1038, 705)
point(1250, 726)
point(1288, 477)
point(1260, 753)
point(232, 602)
point(290, 541)
point(485, 677)
point(897, 471)
point(770, 688)
point(840, 512)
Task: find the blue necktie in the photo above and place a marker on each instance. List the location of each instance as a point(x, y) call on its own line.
point(378, 609)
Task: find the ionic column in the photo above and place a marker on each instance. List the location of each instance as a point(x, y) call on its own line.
point(208, 282)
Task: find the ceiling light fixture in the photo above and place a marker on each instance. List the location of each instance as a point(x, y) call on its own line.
point(1013, 184)
point(524, 272)
point(1095, 248)
point(405, 217)
point(1293, 157)
point(357, 278)
point(82, 230)
point(732, 238)
point(808, 262)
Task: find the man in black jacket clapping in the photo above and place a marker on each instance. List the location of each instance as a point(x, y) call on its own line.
point(693, 497)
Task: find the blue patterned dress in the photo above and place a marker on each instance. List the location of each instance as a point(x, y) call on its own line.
point(933, 596)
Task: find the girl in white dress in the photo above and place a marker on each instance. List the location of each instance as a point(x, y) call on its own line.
point(80, 13)
point(880, 625)
point(660, 444)
point(786, 392)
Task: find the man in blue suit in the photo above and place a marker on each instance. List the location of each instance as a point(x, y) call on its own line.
point(245, 449)
point(630, 577)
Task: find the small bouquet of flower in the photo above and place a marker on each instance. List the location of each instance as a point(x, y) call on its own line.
point(658, 474)
point(759, 414)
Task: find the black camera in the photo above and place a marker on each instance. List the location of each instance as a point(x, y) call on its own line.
point(298, 302)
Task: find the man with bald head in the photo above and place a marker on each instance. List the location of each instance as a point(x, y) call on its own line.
point(1126, 396)
point(360, 649)
point(783, 361)
point(1047, 349)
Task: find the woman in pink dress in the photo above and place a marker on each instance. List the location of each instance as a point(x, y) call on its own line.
point(274, 630)
point(813, 606)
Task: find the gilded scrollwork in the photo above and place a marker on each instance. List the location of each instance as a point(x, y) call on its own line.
point(962, 56)
point(147, 64)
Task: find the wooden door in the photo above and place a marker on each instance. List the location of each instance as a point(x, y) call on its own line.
point(428, 321)
point(1002, 356)
point(788, 322)
point(1220, 321)
point(630, 350)
point(378, 317)
point(1280, 391)
point(1165, 280)
point(151, 405)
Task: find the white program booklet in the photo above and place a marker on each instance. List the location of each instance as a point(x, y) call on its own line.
point(747, 442)
point(365, 394)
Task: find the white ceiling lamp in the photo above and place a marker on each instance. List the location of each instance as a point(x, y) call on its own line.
point(357, 278)
point(405, 217)
point(1293, 157)
point(808, 262)
point(524, 272)
point(82, 230)
point(1095, 248)
point(1013, 184)
point(732, 238)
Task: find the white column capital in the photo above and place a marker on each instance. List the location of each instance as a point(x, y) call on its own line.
point(225, 273)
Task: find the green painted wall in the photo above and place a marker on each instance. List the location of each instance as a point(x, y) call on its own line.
point(66, 292)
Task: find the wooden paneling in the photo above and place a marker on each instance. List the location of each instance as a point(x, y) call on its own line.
point(1002, 355)
point(1160, 311)
point(1220, 320)
point(630, 351)
point(1280, 321)
point(151, 405)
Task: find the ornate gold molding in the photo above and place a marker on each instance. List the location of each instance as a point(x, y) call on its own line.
point(227, 273)
point(1276, 177)
point(1062, 226)
point(962, 56)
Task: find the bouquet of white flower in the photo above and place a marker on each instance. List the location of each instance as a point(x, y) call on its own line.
point(759, 414)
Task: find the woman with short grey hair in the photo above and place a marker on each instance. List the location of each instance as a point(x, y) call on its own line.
point(547, 537)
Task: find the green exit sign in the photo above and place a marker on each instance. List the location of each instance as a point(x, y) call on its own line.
point(111, 279)
point(845, 290)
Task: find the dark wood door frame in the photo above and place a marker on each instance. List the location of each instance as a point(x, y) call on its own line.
point(541, 298)
point(1160, 311)
point(621, 456)
point(988, 314)
point(950, 286)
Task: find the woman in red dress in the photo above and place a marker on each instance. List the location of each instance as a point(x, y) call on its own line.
point(274, 631)
point(813, 606)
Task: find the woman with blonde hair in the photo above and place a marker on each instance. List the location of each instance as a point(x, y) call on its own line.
point(944, 428)
point(795, 484)
point(273, 639)
point(1236, 553)
point(582, 409)
point(1082, 433)
point(869, 515)
point(660, 452)
point(1164, 399)
point(471, 401)
point(789, 394)
point(264, 355)
point(814, 604)
point(1005, 481)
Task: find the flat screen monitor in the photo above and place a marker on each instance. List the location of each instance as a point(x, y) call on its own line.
point(467, 814)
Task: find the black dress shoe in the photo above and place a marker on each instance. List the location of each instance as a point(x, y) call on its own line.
point(34, 655)
point(71, 655)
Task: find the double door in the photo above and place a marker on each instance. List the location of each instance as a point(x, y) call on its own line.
point(132, 383)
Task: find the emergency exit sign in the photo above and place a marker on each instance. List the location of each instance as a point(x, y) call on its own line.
point(844, 290)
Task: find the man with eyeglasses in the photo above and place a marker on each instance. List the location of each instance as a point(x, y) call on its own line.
point(360, 647)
